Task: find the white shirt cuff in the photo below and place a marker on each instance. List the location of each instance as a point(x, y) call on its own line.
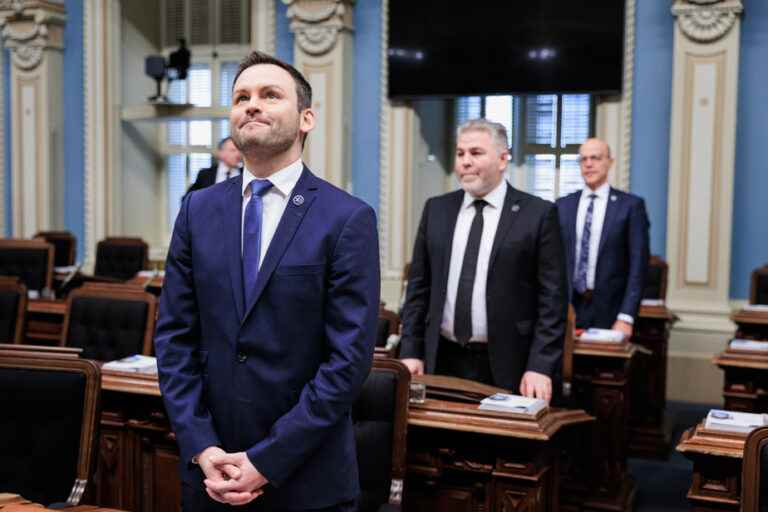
point(625, 318)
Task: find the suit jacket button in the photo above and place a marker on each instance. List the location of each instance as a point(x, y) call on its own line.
point(241, 357)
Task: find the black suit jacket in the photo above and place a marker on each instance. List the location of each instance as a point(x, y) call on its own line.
point(622, 257)
point(525, 294)
point(205, 178)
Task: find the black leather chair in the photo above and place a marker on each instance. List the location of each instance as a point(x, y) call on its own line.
point(380, 417)
point(754, 472)
point(656, 279)
point(13, 307)
point(64, 244)
point(759, 286)
point(29, 260)
point(110, 321)
point(121, 258)
point(47, 426)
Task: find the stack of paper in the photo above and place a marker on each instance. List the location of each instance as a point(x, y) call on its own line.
point(756, 307)
point(595, 335)
point(741, 344)
point(730, 421)
point(136, 363)
point(652, 302)
point(503, 402)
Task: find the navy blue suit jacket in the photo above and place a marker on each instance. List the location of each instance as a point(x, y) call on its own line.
point(275, 378)
point(622, 257)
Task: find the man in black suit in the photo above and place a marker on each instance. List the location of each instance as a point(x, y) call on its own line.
point(227, 166)
point(486, 297)
point(605, 232)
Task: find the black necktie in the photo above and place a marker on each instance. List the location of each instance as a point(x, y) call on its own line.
point(462, 318)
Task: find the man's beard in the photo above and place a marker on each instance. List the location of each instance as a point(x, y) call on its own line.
point(278, 139)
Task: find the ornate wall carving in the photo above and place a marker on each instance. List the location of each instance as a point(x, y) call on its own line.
point(318, 24)
point(705, 21)
point(29, 28)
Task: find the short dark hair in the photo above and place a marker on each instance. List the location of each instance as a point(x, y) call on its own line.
point(224, 141)
point(303, 89)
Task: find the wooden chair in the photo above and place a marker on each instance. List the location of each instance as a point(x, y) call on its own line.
point(380, 417)
point(121, 258)
point(30, 260)
point(758, 290)
point(656, 279)
point(754, 481)
point(47, 426)
point(110, 321)
point(13, 307)
point(64, 244)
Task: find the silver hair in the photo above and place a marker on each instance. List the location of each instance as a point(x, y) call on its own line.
point(496, 131)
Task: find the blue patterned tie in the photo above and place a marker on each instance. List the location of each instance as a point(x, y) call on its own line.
point(580, 283)
point(252, 237)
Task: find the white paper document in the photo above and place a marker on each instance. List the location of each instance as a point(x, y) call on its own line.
point(595, 335)
point(136, 363)
point(731, 421)
point(652, 302)
point(756, 346)
point(503, 402)
point(756, 307)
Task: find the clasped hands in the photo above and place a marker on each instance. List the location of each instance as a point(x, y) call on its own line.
point(230, 477)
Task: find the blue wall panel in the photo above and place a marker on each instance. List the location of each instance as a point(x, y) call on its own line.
point(73, 109)
point(750, 216)
point(366, 107)
point(651, 114)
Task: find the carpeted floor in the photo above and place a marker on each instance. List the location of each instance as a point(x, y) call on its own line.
point(662, 485)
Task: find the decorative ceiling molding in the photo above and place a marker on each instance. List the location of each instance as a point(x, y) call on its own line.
point(318, 23)
point(29, 28)
point(705, 21)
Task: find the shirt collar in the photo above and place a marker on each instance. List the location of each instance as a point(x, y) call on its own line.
point(601, 192)
point(283, 180)
point(494, 198)
point(224, 168)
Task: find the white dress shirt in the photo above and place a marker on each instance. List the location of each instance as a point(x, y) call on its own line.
point(221, 172)
point(491, 216)
point(603, 193)
point(274, 201)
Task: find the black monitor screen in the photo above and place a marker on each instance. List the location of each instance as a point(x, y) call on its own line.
point(439, 48)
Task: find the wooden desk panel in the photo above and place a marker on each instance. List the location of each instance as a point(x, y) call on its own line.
point(44, 321)
point(717, 460)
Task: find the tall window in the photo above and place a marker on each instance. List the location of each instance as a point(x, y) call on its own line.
point(218, 35)
point(545, 132)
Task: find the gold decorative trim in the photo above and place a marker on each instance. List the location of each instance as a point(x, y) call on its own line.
point(318, 24)
point(705, 21)
point(626, 96)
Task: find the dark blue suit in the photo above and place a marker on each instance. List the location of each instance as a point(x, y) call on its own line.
point(622, 257)
point(275, 378)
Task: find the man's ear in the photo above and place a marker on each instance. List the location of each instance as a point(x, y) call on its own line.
point(307, 122)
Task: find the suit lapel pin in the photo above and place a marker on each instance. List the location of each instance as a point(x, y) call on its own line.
point(298, 199)
point(613, 198)
point(515, 208)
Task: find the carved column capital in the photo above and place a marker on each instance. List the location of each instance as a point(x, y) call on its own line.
point(29, 27)
point(318, 23)
point(705, 21)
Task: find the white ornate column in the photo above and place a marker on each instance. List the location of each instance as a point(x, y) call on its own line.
point(33, 32)
point(323, 52)
point(701, 162)
point(613, 121)
point(263, 25)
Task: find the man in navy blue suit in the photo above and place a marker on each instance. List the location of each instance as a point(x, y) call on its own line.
point(268, 316)
point(605, 232)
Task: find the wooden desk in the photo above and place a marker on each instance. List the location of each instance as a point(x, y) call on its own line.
point(602, 387)
point(462, 458)
point(717, 459)
point(650, 432)
point(13, 502)
point(44, 321)
point(745, 387)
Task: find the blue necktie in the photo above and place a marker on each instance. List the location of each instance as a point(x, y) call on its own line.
point(580, 283)
point(252, 237)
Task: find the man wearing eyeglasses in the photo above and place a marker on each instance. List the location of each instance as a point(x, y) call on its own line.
point(605, 233)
